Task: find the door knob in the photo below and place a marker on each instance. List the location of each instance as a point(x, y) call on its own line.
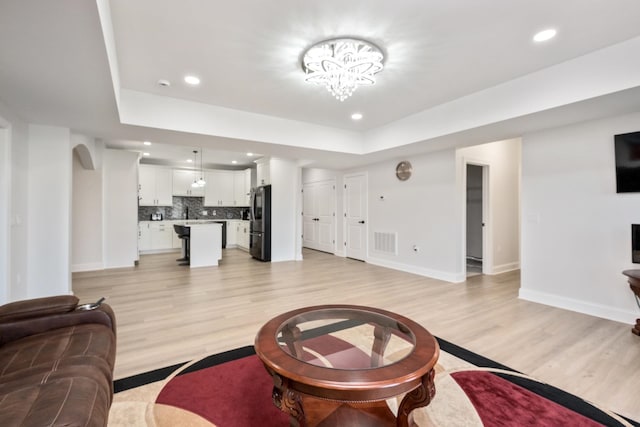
point(360, 222)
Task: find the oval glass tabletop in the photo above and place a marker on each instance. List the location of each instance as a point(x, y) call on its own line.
point(345, 338)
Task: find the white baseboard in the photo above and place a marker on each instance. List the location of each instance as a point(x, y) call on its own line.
point(592, 309)
point(91, 266)
point(159, 251)
point(434, 274)
point(503, 268)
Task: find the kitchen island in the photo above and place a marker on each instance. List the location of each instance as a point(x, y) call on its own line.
point(205, 243)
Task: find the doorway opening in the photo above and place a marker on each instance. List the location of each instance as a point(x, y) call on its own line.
point(475, 209)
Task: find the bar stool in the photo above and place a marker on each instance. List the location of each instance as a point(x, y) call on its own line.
point(184, 233)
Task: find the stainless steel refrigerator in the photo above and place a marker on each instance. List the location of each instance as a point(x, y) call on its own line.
point(260, 217)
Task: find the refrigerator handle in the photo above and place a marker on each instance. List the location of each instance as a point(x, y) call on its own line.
point(252, 204)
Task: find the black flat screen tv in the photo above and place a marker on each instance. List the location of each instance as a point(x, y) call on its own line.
point(635, 243)
point(627, 146)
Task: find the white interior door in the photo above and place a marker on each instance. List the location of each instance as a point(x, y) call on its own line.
point(325, 214)
point(355, 216)
point(309, 235)
point(318, 216)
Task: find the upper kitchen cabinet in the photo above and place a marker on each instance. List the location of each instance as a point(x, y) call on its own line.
point(242, 187)
point(154, 186)
point(263, 171)
point(182, 183)
point(227, 188)
point(219, 188)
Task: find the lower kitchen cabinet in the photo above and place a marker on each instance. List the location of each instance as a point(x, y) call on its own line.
point(155, 236)
point(232, 233)
point(243, 234)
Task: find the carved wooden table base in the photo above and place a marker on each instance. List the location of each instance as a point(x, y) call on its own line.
point(634, 284)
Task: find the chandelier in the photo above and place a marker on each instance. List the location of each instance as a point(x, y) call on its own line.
point(341, 65)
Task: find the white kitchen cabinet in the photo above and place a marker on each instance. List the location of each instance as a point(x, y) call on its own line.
point(144, 236)
point(219, 188)
point(182, 183)
point(161, 236)
point(243, 234)
point(155, 236)
point(263, 171)
point(232, 233)
point(240, 187)
point(154, 186)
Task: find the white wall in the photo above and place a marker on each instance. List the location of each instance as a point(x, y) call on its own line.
point(285, 214)
point(49, 215)
point(86, 247)
point(16, 167)
point(423, 211)
point(576, 231)
point(120, 214)
point(5, 211)
point(503, 161)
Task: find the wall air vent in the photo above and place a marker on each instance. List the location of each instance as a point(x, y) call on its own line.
point(385, 242)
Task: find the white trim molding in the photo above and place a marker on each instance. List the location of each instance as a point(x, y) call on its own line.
point(433, 274)
point(91, 266)
point(598, 310)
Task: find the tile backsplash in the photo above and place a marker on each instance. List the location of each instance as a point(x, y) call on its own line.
point(192, 205)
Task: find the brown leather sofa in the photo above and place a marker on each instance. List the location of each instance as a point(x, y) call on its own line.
point(56, 363)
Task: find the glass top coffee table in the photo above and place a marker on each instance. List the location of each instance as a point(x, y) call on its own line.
point(338, 364)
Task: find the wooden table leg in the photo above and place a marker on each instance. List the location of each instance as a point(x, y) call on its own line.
point(291, 337)
point(416, 398)
point(382, 335)
point(288, 401)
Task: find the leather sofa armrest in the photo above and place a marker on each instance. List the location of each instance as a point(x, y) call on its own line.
point(37, 307)
point(16, 329)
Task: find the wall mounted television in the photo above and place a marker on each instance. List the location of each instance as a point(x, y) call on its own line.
point(627, 148)
point(635, 243)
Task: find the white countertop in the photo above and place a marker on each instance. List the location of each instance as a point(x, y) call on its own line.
point(192, 221)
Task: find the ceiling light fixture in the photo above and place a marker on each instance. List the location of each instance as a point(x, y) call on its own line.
point(194, 184)
point(356, 116)
point(146, 154)
point(234, 162)
point(341, 65)
point(250, 154)
point(201, 181)
point(545, 35)
point(192, 80)
point(189, 161)
point(146, 143)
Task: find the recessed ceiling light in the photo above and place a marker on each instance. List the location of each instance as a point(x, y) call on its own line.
point(189, 161)
point(250, 154)
point(356, 116)
point(146, 143)
point(545, 35)
point(192, 80)
point(234, 161)
point(146, 154)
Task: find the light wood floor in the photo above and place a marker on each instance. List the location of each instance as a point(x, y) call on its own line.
point(168, 314)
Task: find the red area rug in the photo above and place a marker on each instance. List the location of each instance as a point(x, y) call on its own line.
point(238, 394)
point(502, 403)
point(233, 389)
point(233, 394)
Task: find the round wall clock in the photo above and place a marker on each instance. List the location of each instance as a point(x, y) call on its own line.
point(403, 170)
